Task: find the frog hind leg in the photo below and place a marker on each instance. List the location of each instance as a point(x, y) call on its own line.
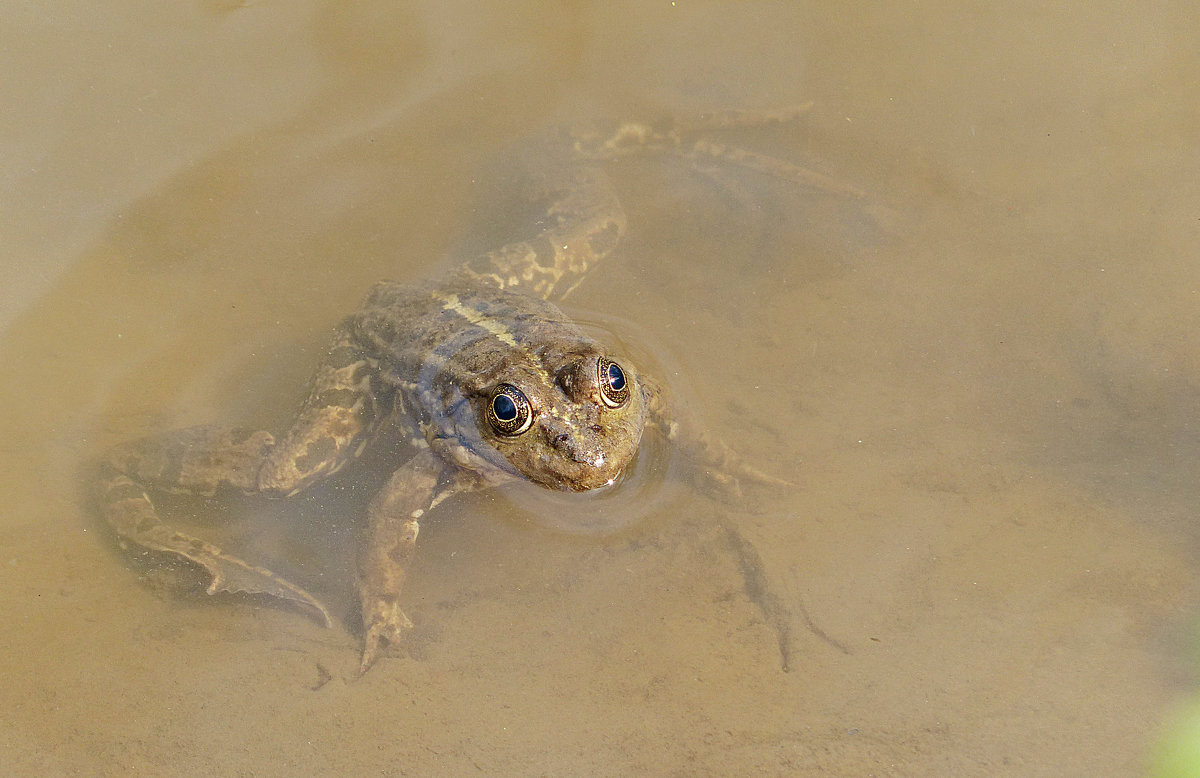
point(583, 223)
point(200, 460)
point(335, 422)
point(691, 139)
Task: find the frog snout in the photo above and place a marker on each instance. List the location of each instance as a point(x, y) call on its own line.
point(565, 444)
point(571, 447)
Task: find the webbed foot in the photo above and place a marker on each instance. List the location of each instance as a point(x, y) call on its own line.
point(129, 510)
point(384, 622)
point(727, 484)
point(230, 574)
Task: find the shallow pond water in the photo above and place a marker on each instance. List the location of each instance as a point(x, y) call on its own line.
point(981, 378)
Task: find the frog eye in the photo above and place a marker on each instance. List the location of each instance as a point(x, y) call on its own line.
point(509, 411)
point(614, 388)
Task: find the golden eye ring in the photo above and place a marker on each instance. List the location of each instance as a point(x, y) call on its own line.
point(509, 411)
point(614, 386)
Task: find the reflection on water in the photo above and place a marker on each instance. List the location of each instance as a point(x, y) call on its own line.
point(982, 381)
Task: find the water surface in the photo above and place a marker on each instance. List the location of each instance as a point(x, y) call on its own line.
point(981, 378)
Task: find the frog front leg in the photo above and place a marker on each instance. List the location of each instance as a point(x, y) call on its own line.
point(720, 469)
point(719, 464)
point(393, 523)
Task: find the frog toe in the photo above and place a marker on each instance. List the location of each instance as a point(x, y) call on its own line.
point(230, 574)
point(385, 624)
point(753, 475)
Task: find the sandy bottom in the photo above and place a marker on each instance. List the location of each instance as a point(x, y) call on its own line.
point(981, 378)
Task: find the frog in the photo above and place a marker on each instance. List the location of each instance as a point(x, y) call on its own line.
point(485, 376)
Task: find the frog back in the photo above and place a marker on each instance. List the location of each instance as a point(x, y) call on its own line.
point(449, 350)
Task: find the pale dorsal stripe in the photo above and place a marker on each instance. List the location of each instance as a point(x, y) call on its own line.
point(451, 303)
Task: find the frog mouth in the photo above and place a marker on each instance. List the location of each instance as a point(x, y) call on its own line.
point(599, 473)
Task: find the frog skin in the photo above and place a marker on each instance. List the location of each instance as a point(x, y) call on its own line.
point(489, 380)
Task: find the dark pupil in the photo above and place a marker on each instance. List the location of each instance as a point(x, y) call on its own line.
point(616, 379)
point(504, 408)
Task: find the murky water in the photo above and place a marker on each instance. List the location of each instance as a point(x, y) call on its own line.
point(982, 378)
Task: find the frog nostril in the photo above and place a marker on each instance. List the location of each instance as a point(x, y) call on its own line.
point(597, 428)
point(561, 440)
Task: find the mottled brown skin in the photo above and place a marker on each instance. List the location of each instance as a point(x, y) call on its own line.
point(430, 358)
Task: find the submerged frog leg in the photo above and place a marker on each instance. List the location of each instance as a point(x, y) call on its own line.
point(758, 591)
point(721, 468)
point(583, 223)
point(691, 139)
point(200, 460)
point(330, 429)
point(393, 523)
point(720, 464)
point(343, 408)
point(745, 117)
point(704, 149)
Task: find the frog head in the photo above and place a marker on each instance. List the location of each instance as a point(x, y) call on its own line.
point(571, 420)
